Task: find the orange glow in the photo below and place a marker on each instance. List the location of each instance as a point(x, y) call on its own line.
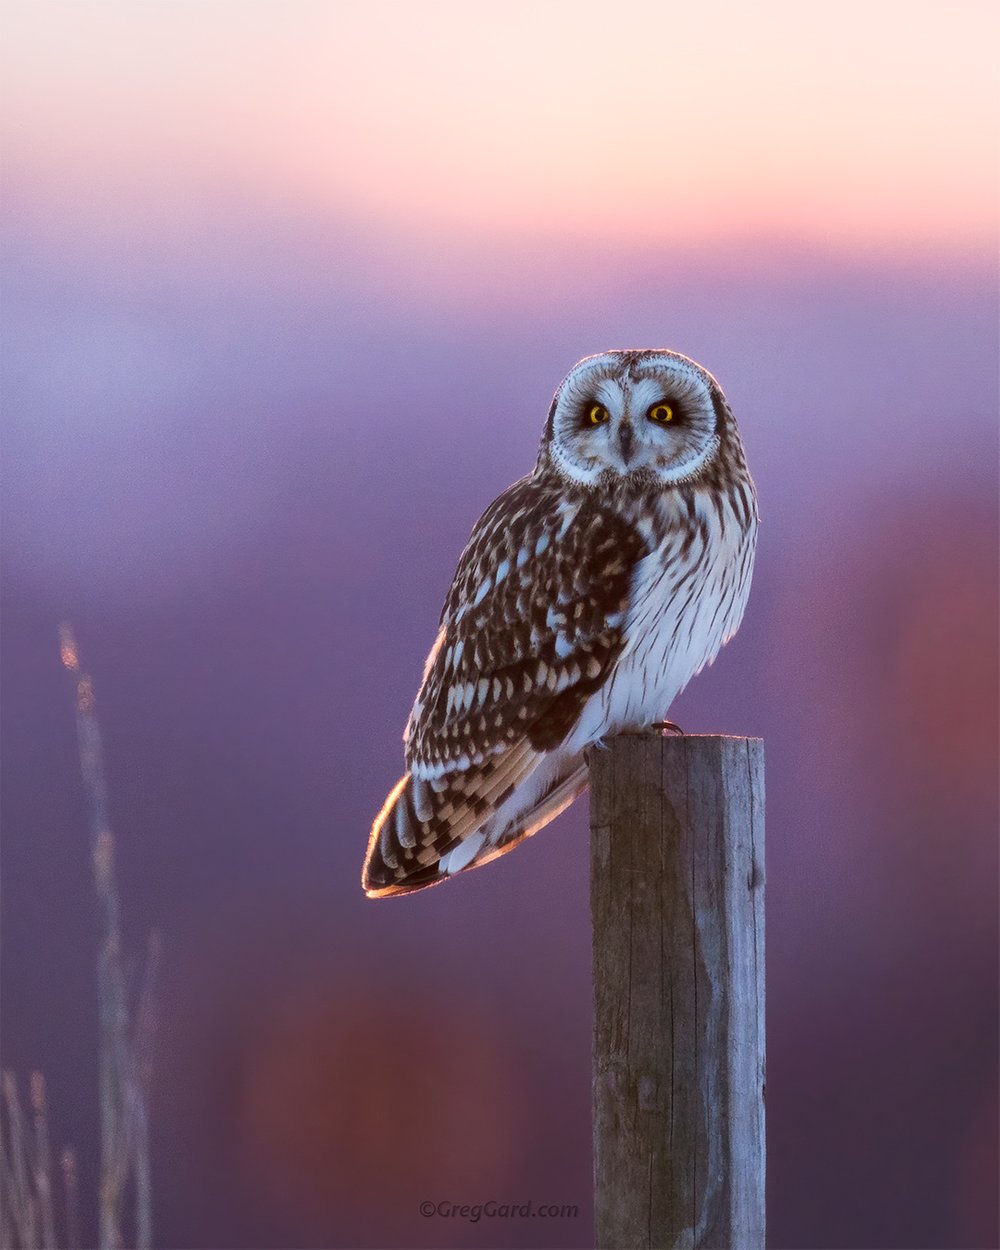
point(373, 837)
point(67, 649)
point(865, 125)
point(333, 1097)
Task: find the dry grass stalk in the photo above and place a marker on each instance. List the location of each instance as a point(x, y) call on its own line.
point(20, 1201)
point(43, 1160)
point(27, 1213)
point(71, 1199)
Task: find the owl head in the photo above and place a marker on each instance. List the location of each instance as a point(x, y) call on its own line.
point(648, 418)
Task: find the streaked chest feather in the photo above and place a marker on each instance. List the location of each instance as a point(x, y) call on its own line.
point(688, 597)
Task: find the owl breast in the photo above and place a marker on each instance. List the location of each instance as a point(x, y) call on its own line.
point(687, 599)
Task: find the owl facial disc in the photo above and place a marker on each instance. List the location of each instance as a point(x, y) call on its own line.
point(647, 417)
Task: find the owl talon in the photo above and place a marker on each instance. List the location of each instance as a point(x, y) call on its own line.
point(667, 726)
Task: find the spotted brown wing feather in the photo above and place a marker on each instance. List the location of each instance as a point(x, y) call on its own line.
point(530, 628)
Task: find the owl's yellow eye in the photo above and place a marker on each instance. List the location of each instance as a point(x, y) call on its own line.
point(662, 414)
point(597, 414)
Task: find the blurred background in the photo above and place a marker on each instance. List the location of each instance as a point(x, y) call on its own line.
point(286, 292)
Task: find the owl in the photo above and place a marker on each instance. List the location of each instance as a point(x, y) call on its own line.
point(589, 594)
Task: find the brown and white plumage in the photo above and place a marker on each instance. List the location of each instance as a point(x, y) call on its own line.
point(587, 596)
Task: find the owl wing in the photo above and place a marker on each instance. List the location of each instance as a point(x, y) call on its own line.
point(530, 629)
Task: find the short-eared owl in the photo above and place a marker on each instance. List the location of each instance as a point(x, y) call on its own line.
point(589, 594)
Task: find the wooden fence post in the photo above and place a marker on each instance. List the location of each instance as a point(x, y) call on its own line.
point(677, 896)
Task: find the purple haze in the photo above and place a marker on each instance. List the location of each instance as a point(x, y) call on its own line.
point(244, 470)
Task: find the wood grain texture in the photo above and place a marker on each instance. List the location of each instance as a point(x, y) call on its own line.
point(677, 896)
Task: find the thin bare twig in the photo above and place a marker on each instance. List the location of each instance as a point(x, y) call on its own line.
point(43, 1160)
point(71, 1198)
point(142, 1065)
point(6, 1199)
point(23, 1208)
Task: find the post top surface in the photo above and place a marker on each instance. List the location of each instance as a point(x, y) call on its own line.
point(665, 733)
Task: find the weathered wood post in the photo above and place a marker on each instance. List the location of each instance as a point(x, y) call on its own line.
point(677, 895)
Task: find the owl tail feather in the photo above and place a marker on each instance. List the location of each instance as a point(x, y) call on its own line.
point(422, 821)
point(391, 867)
point(425, 835)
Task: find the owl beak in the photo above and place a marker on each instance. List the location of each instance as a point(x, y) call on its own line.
point(626, 442)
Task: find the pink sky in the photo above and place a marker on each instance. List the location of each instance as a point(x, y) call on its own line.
point(862, 125)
